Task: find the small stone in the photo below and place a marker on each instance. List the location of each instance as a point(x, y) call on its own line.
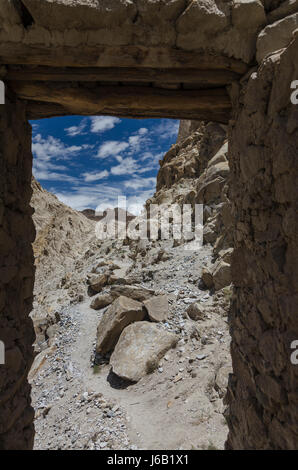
point(177, 378)
point(200, 357)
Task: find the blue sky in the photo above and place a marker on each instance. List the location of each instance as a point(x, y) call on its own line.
point(89, 161)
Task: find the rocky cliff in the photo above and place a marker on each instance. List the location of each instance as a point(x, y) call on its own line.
point(62, 237)
point(196, 171)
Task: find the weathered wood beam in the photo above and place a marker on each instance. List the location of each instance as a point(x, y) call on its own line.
point(124, 74)
point(121, 56)
point(38, 111)
point(213, 104)
point(42, 110)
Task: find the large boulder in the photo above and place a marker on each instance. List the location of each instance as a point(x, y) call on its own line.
point(45, 328)
point(219, 274)
point(196, 311)
point(139, 350)
point(120, 314)
point(207, 278)
point(97, 282)
point(157, 308)
point(222, 276)
point(133, 292)
point(101, 301)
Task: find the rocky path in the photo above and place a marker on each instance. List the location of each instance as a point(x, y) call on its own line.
point(80, 405)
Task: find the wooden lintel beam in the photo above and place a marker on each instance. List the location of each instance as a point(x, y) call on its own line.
point(213, 104)
point(124, 74)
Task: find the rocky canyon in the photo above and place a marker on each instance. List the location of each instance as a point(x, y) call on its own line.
point(132, 336)
point(150, 344)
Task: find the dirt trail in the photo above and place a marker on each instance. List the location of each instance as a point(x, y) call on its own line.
point(159, 412)
point(155, 421)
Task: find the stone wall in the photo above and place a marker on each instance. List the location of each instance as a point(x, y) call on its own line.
point(16, 276)
point(127, 32)
point(262, 393)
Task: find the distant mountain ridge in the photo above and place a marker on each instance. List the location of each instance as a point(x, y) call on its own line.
point(91, 214)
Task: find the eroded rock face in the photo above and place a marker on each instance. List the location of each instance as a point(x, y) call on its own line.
point(63, 235)
point(188, 158)
point(196, 171)
point(263, 159)
point(119, 315)
point(276, 36)
point(139, 350)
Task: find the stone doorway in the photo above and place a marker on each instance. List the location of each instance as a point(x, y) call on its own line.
point(57, 60)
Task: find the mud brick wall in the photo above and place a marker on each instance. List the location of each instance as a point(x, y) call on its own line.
point(16, 276)
point(263, 391)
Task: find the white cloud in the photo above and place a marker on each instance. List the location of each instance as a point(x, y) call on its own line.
point(111, 148)
point(47, 151)
point(76, 130)
point(47, 165)
point(46, 148)
point(78, 202)
point(135, 160)
point(135, 203)
point(103, 195)
point(126, 166)
point(103, 123)
point(167, 129)
point(129, 165)
point(84, 197)
point(134, 141)
point(138, 183)
point(138, 140)
point(45, 175)
point(90, 177)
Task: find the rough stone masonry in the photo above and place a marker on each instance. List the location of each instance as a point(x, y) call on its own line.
point(16, 276)
point(193, 60)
